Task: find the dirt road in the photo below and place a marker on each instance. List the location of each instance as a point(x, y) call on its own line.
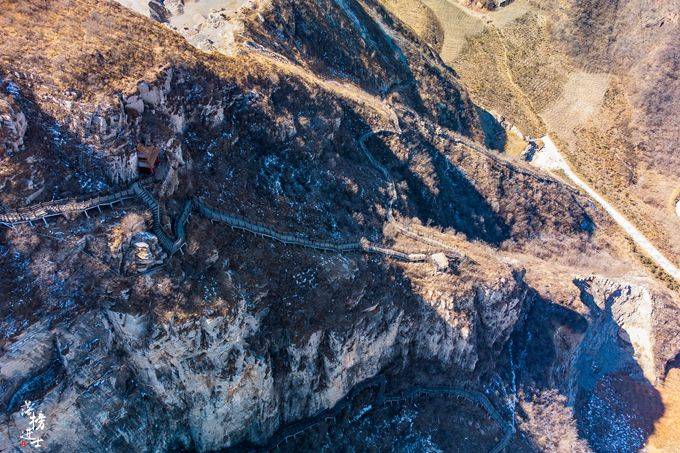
point(549, 158)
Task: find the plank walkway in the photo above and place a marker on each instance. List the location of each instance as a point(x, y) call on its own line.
point(259, 229)
point(43, 211)
point(67, 207)
point(172, 245)
point(326, 416)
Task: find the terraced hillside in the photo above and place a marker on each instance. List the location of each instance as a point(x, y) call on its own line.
point(455, 37)
point(420, 18)
point(531, 65)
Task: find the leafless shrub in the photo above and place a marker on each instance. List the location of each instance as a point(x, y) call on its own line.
point(550, 424)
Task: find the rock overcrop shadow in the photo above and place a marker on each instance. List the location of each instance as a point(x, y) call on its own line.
point(589, 360)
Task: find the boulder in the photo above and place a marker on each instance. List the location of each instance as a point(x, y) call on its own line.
point(440, 261)
point(134, 105)
point(143, 253)
point(13, 125)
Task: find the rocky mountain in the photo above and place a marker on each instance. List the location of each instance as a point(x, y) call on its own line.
point(322, 240)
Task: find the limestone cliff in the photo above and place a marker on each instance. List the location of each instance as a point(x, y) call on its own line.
point(328, 121)
point(224, 378)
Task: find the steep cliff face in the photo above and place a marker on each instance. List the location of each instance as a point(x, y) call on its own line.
point(243, 366)
point(238, 335)
point(631, 340)
point(378, 53)
point(644, 319)
point(596, 368)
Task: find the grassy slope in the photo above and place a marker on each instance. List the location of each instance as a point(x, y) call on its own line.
point(420, 18)
point(614, 147)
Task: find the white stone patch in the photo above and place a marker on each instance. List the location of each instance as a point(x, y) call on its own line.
point(440, 261)
point(138, 6)
point(207, 24)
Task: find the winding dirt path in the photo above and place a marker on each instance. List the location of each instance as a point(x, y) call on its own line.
point(550, 159)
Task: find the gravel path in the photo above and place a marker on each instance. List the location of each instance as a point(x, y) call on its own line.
point(549, 158)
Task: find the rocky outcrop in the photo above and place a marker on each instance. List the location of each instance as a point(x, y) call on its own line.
point(594, 369)
point(221, 376)
point(488, 5)
point(13, 125)
point(176, 165)
point(206, 24)
point(635, 318)
point(242, 334)
point(631, 339)
point(143, 254)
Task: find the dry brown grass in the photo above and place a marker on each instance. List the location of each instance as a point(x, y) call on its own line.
point(514, 145)
point(420, 18)
point(666, 436)
point(86, 46)
point(457, 25)
point(484, 71)
point(536, 67)
point(581, 97)
point(605, 157)
point(591, 112)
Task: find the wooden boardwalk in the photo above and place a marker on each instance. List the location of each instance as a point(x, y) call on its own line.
point(326, 416)
point(172, 244)
point(42, 211)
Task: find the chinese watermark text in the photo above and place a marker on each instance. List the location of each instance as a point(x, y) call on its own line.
point(36, 423)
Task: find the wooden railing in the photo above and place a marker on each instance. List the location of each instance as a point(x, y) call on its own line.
point(295, 429)
point(393, 195)
point(43, 211)
point(171, 245)
point(362, 245)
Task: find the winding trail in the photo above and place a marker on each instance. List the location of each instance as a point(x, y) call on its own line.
point(172, 244)
point(43, 211)
point(326, 416)
point(550, 159)
point(392, 191)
